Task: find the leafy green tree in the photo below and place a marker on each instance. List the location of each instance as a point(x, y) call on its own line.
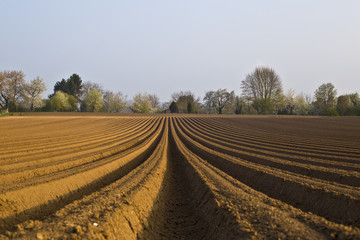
point(73, 102)
point(325, 98)
point(263, 106)
point(239, 105)
point(62, 102)
point(86, 88)
point(348, 105)
point(355, 104)
point(74, 84)
point(355, 99)
point(47, 106)
point(190, 108)
point(60, 86)
point(59, 101)
point(331, 111)
point(183, 98)
point(141, 103)
point(343, 105)
point(174, 107)
point(264, 88)
point(93, 101)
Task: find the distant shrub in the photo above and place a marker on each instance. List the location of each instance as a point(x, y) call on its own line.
point(330, 111)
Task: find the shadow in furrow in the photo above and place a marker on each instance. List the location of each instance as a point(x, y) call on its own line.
point(175, 214)
point(186, 207)
point(262, 159)
point(339, 208)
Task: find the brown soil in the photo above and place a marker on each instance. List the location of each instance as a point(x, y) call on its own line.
point(102, 176)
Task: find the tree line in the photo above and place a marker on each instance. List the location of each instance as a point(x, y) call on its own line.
point(262, 93)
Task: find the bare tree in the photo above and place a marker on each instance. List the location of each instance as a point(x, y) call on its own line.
point(33, 93)
point(217, 100)
point(4, 101)
point(308, 98)
point(176, 95)
point(88, 86)
point(154, 99)
point(209, 103)
point(114, 102)
point(263, 87)
point(11, 88)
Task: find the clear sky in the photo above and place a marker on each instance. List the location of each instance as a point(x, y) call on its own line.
point(200, 45)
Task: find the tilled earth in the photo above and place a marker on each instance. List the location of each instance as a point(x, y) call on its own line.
point(179, 177)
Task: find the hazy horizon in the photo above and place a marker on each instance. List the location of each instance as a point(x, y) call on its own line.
point(166, 46)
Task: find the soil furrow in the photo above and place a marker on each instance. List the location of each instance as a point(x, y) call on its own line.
point(350, 178)
point(179, 177)
point(67, 166)
point(327, 160)
point(56, 157)
point(69, 143)
point(258, 215)
point(33, 202)
point(120, 209)
point(334, 203)
point(272, 139)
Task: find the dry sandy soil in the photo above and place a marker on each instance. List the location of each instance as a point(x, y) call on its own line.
point(179, 177)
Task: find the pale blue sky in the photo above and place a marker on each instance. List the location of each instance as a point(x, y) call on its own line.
point(166, 46)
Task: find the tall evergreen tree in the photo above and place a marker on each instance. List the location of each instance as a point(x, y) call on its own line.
point(174, 107)
point(71, 86)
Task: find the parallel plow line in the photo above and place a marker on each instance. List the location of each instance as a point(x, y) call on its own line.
point(176, 177)
point(79, 139)
point(30, 201)
point(334, 202)
point(238, 130)
point(257, 143)
point(271, 158)
point(97, 145)
point(68, 166)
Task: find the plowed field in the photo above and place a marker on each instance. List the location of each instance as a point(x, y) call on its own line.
point(179, 177)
